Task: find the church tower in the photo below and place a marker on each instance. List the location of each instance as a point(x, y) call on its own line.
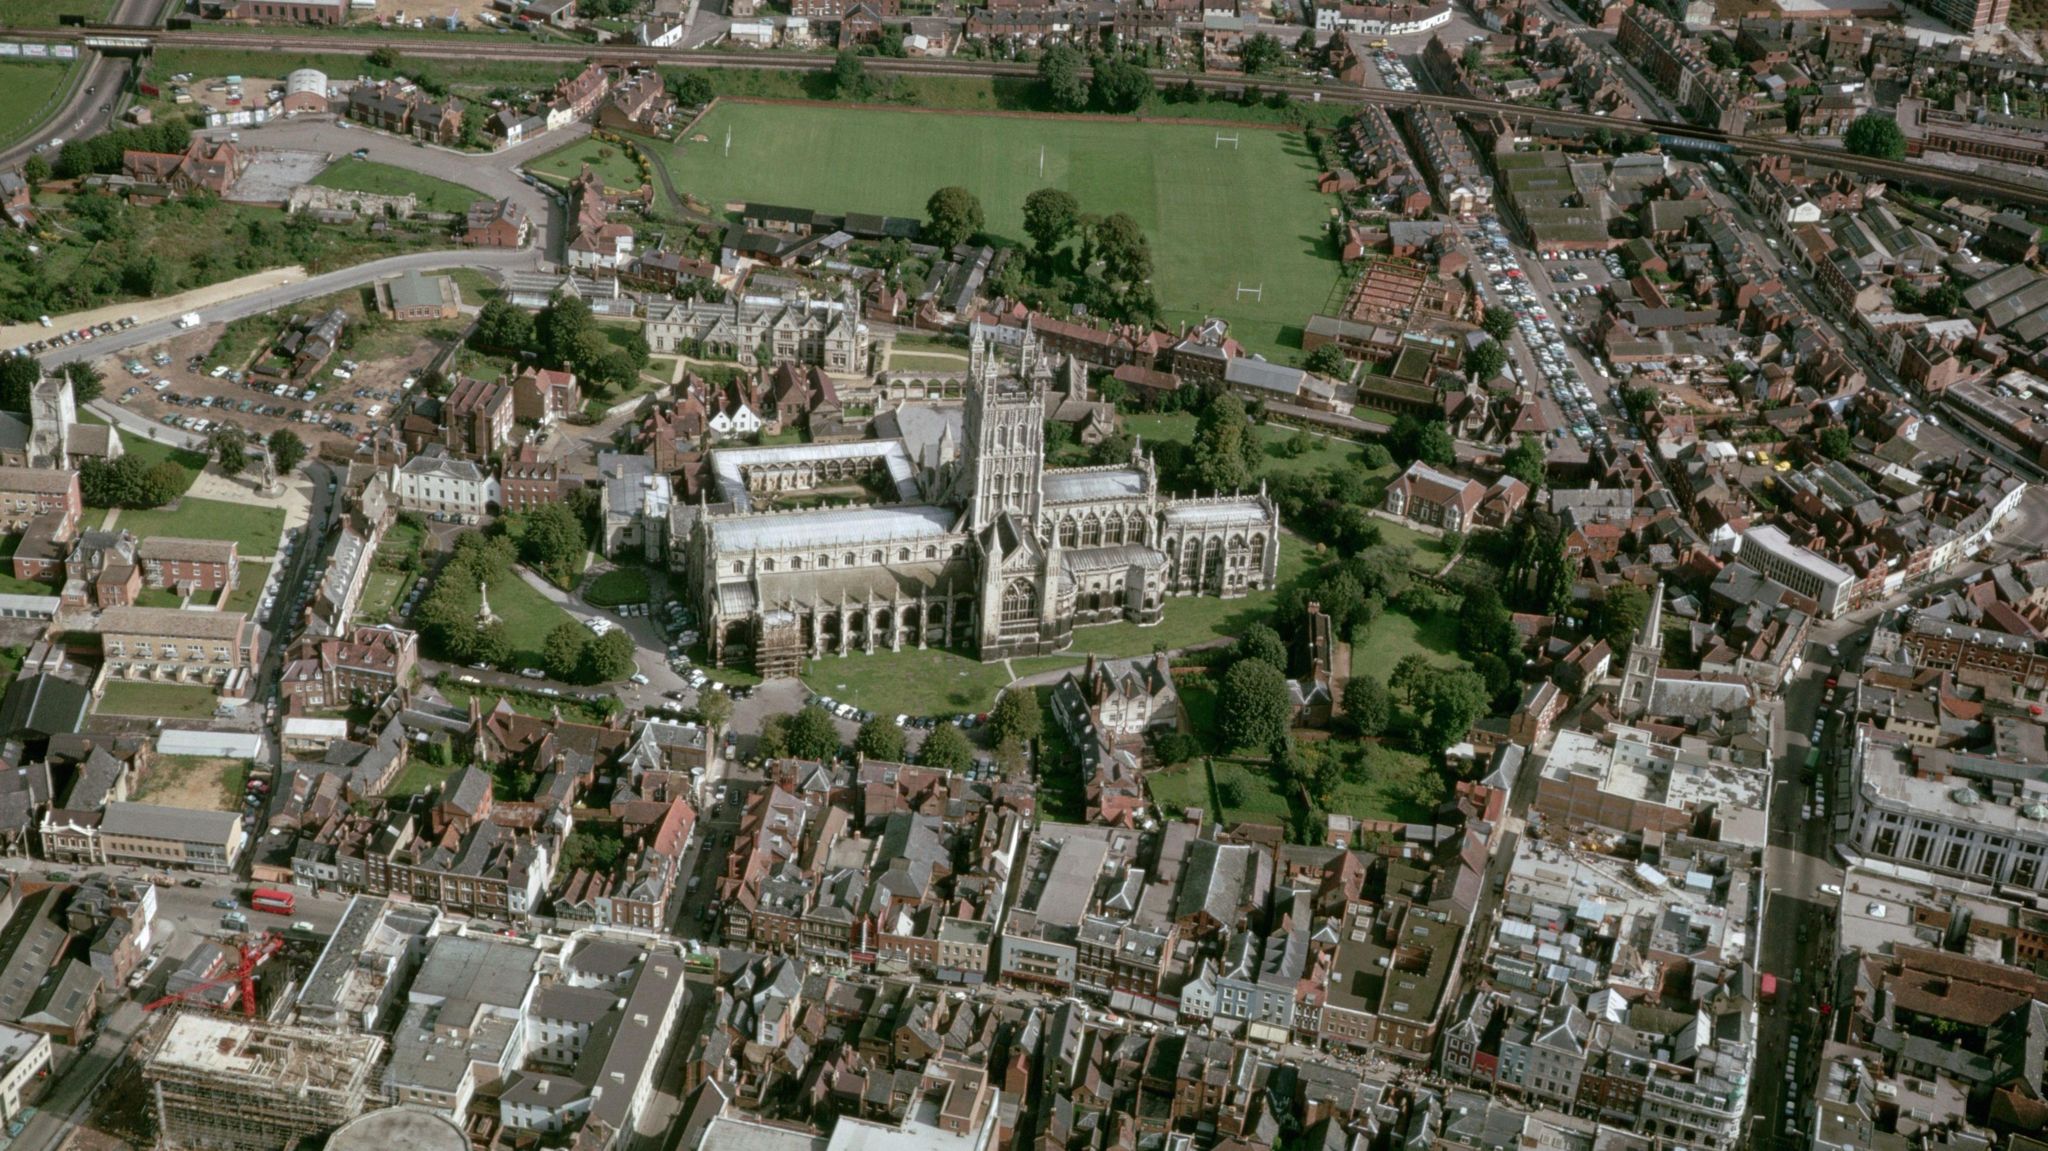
point(1005, 441)
point(52, 414)
point(1645, 656)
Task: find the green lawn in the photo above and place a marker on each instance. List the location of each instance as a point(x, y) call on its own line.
point(184, 701)
point(158, 597)
point(1326, 452)
point(477, 288)
point(382, 593)
point(608, 160)
point(528, 616)
point(402, 540)
point(1258, 800)
point(435, 195)
point(419, 776)
point(27, 92)
point(1177, 789)
point(1219, 219)
point(1395, 634)
point(248, 587)
point(1383, 792)
point(255, 530)
point(913, 362)
point(617, 586)
point(152, 453)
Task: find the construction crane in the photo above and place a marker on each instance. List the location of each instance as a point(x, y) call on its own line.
point(255, 950)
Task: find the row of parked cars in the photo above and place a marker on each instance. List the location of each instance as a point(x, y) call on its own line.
point(1544, 339)
point(74, 336)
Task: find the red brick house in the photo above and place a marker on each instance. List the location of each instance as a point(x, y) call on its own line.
point(497, 224)
point(529, 481)
point(189, 565)
point(543, 395)
point(476, 418)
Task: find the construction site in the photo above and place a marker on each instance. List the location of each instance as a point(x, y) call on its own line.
point(220, 1083)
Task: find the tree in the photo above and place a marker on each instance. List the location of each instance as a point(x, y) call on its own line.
point(18, 378)
point(1120, 86)
point(1446, 704)
point(1121, 246)
point(952, 216)
point(502, 327)
point(1222, 445)
point(1875, 134)
point(714, 708)
point(691, 89)
point(1474, 56)
point(1409, 674)
point(849, 75)
point(1327, 360)
point(492, 644)
point(1261, 53)
point(1253, 704)
point(1260, 642)
point(1498, 322)
point(87, 381)
point(560, 327)
point(946, 749)
point(1485, 624)
point(36, 172)
point(1016, 716)
point(287, 450)
point(1305, 44)
point(552, 540)
point(385, 56)
point(1049, 218)
point(1367, 704)
point(1484, 362)
point(231, 448)
point(1834, 442)
point(609, 657)
point(1620, 614)
point(773, 742)
point(561, 653)
point(1412, 439)
point(812, 734)
point(1011, 758)
point(1176, 747)
point(1060, 71)
point(880, 738)
point(1525, 461)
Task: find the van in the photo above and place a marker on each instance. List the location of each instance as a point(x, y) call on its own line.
point(234, 921)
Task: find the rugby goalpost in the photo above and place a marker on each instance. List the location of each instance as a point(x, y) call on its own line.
point(1257, 292)
point(1222, 139)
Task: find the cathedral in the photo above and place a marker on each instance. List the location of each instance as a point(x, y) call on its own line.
point(982, 547)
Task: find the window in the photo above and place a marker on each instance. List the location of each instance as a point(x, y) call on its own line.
point(1020, 602)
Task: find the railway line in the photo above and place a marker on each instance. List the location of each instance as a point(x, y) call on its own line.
point(118, 38)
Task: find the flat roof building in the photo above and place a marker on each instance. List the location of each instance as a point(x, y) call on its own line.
point(228, 1084)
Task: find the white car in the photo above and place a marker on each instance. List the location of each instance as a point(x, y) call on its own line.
point(1834, 889)
point(640, 679)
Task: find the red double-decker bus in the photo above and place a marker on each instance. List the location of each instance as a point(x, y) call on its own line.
point(272, 900)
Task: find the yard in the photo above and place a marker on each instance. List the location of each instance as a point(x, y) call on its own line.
point(1324, 452)
point(9, 585)
point(168, 700)
point(609, 161)
point(1395, 635)
point(254, 529)
point(249, 583)
point(421, 776)
point(434, 195)
point(617, 586)
point(1220, 219)
point(920, 362)
point(194, 783)
point(27, 91)
point(529, 616)
point(382, 593)
point(477, 287)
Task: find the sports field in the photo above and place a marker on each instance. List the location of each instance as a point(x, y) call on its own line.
point(27, 92)
point(1219, 218)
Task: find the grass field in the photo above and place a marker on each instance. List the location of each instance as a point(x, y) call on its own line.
point(194, 783)
point(476, 287)
point(152, 453)
point(617, 586)
point(1395, 634)
point(916, 362)
point(26, 91)
point(609, 161)
point(180, 700)
point(255, 530)
point(1218, 218)
point(420, 775)
point(158, 597)
point(248, 586)
point(382, 592)
point(435, 195)
point(9, 585)
point(1179, 427)
point(44, 13)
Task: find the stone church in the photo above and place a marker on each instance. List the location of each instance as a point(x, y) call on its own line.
point(983, 547)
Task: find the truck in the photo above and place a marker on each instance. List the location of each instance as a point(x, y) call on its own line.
point(1767, 987)
point(189, 320)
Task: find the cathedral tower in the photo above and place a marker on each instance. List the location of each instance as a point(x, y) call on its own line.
point(1005, 441)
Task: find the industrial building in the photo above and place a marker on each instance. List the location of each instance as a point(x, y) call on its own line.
point(226, 1084)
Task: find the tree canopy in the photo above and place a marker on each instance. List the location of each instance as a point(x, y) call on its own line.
point(1060, 71)
point(1253, 704)
point(1120, 86)
point(880, 738)
point(1016, 716)
point(1050, 215)
point(946, 748)
point(287, 450)
point(1875, 134)
point(952, 216)
point(1525, 461)
point(812, 735)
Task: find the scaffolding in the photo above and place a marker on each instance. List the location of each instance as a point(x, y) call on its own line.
point(223, 1084)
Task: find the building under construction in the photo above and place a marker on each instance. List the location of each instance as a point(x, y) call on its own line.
point(219, 1083)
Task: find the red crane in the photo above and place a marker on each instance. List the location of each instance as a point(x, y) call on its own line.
point(255, 950)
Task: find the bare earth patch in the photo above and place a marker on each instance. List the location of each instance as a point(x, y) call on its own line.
point(194, 783)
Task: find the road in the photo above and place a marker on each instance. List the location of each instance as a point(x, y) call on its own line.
point(95, 96)
point(156, 330)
